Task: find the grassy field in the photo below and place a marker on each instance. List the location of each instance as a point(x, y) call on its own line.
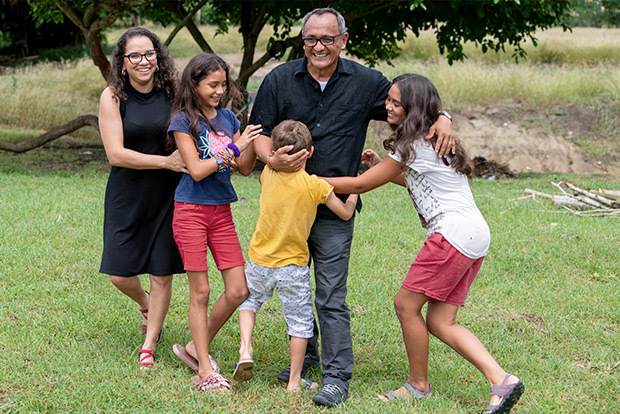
point(545, 302)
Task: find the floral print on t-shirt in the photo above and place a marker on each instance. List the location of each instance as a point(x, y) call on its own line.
point(213, 144)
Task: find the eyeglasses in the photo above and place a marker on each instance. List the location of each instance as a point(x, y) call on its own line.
point(135, 57)
point(325, 40)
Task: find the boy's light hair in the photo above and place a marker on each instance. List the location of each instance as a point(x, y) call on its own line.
point(291, 132)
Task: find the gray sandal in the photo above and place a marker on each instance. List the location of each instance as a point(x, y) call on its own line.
point(416, 393)
point(509, 394)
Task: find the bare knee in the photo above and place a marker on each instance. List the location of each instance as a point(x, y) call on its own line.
point(118, 281)
point(199, 296)
point(404, 308)
point(161, 282)
point(237, 294)
point(236, 289)
point(437, 326)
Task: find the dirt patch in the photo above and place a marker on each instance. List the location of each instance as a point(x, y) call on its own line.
point(543, 141)
point(526, 140)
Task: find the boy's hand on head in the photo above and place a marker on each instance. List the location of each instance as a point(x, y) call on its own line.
point(445, 136)
point(370, 158)
point(282, 161)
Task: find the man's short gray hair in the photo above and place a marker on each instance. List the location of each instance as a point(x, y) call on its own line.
point(342, 26)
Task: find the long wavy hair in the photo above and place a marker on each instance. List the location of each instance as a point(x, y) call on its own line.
point(165, 77)
point(421, 103)
point(188, 100)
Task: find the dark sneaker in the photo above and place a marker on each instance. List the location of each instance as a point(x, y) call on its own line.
point(330, 396)
point(309, 362)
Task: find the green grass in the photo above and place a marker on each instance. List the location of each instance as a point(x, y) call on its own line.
point(545, 304)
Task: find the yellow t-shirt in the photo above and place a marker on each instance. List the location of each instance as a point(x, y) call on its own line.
point(288, 203)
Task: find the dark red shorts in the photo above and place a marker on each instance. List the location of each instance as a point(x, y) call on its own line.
point(198, 228)
point(441, 272)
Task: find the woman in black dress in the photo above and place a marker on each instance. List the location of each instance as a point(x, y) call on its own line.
point(137, 233)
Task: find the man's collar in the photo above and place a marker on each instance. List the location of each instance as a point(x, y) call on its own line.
point(343, 68)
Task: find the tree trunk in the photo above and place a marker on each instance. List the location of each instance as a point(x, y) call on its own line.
point(99, 58)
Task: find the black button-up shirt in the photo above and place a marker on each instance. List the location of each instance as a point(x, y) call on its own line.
point(337, 117)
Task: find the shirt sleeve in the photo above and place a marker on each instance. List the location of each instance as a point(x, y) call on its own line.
point(179, 122)
point(425, 157)
point(265, 108)
point(322, 189)
point(236, 124)
point(378, 111)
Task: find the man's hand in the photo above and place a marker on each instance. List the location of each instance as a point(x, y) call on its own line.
point(445, 136)
point(281, 161)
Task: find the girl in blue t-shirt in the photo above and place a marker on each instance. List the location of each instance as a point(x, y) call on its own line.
point(209, 141)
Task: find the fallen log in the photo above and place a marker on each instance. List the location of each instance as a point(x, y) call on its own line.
point(51, 135)
point(612, 195)
point(600, 199)
point(560, 200)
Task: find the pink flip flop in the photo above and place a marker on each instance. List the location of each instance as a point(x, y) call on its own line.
point(189, 360)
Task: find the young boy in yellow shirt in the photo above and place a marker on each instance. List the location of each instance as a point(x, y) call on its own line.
point(279, 254)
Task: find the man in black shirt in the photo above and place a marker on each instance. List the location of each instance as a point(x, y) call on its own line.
point(335, 98)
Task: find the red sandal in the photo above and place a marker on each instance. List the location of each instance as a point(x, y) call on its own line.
point(145, 315)
point(147, 354)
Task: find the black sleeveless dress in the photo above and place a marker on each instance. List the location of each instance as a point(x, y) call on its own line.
point(139, 204)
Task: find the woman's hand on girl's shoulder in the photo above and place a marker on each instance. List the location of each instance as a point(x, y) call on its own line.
point(175, 162)
point(250, 133)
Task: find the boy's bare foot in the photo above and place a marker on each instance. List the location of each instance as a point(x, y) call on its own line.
point(303, 384)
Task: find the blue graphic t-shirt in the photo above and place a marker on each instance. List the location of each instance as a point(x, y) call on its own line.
point(216, 188)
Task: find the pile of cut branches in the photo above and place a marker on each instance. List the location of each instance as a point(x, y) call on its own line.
point(582, 202)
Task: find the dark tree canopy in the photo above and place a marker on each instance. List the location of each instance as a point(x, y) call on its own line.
point(21, 35)
point(374, 26)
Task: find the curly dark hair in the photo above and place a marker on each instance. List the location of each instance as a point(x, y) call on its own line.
point(188, 100)
point(165, 78)
point(420, 100)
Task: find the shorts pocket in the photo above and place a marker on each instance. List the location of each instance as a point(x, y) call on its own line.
point(185, 207)
point(435, 249)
